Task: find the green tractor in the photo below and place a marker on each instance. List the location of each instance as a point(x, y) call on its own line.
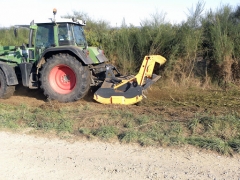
point(58, 60)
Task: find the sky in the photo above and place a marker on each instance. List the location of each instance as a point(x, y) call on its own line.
point(17, 12)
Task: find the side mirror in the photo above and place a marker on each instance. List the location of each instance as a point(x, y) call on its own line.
point(16, 32)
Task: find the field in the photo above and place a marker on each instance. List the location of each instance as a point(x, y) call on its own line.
point(195, 103)
point(188, 127)
point(207, 119)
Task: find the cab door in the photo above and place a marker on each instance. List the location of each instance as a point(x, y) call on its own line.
point(44, 39)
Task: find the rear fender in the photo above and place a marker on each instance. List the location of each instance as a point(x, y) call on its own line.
point(10, 74)
point(70, 50)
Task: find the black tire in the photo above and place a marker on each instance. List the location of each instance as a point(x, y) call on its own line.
point(63, 78)
point(5, 90)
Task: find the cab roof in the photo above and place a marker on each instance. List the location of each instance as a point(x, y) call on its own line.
point(61, 20)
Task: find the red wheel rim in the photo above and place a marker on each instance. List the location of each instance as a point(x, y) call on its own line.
point(62, 79)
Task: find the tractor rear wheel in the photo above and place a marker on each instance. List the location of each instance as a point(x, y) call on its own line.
point(63, 78)
point(5, 90)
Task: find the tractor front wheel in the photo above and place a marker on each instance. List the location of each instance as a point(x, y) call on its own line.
point(5, 90)
point(63, 78)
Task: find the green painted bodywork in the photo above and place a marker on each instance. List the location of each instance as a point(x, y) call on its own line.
point(6, 49)
point(11, 55)
point(93, 52)
point(55, 28)
point(33, 27)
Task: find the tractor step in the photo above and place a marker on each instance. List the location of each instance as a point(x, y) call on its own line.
point(33, 81)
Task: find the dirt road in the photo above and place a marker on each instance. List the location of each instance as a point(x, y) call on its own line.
point(26, 157)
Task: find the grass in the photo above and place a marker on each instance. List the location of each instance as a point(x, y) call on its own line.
point(105, 132)
point(215, 144)
point(149, 124)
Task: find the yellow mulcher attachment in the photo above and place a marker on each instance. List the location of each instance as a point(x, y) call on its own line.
point(129, 89)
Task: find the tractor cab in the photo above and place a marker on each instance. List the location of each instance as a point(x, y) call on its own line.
point(62, 33)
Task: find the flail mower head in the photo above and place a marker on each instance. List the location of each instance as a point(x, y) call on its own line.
point(129, 89)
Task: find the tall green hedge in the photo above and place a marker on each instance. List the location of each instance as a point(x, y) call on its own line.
point(204, 47)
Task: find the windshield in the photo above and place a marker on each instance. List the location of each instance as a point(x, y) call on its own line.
point(79, 35)
point(64, 32)
point(71, 34)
